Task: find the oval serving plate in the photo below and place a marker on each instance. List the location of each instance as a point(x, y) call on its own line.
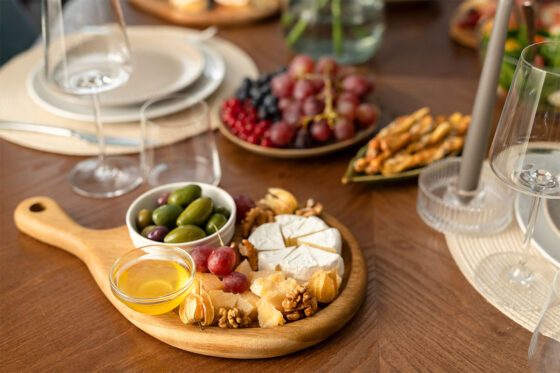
point(290, 153)
point(43, 219)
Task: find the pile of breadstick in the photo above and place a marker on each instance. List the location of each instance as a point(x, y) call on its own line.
point(413, 141)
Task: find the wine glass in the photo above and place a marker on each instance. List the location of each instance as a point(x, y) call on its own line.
point(525, 154)
point(87, 54)
point(544, 349)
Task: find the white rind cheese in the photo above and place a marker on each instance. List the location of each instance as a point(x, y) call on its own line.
point(267, 237)
point(300, 264)
point(295, 230)
point(328, 240)
point(327, 261)
point(271, 260)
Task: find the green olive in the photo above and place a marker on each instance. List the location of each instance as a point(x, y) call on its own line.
point(197, 212)
point(143, 219)
point(166, 215)
point(185, 195)
point(186, 233)
point(215, 223)
point(222, 210)
point(147, 230)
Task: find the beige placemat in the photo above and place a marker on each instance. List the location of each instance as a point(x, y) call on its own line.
point(17, 105)
point(469, 251)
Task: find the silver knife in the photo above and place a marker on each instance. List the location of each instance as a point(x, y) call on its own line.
point(66, 132)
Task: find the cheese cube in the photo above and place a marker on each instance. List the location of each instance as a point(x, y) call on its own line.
point(221, 299)
point(260, 274)
point(270, 260)
point(328, 240)
point(247, 303)
point(268, 315)
point(245, 268)
point(209, 281)
point(267, 237)
point(273, 288)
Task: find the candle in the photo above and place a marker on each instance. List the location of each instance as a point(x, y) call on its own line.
point(479, 131)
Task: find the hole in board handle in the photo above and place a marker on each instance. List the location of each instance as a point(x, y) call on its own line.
point(36, 207)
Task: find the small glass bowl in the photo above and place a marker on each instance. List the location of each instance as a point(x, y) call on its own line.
point(160, 304)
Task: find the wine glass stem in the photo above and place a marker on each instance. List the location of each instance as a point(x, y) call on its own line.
point(98, 128)
point(521, 272)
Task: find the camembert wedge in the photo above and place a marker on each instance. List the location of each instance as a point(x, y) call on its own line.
point(328, 240)
point(268, 237)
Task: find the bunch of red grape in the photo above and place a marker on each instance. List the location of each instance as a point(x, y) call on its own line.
point(220, 262)
point(316, 103)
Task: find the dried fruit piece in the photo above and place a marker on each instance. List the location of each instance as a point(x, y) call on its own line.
point(197, 307)
point(280, 201)
point(324, 285)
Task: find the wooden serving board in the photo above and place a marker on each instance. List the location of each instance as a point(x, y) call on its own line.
point(43, 219)
point(219, 16)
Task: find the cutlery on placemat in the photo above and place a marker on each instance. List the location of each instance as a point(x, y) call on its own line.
point(67, 132)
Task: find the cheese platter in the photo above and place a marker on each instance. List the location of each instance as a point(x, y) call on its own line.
point(315, 247)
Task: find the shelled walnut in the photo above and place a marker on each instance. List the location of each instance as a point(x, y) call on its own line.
point(299, 303)
point(311, 209)
point(232, 318)
point(257, 216)
point(246, 249)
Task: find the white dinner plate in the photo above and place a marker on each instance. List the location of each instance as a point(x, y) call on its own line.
point(160, 66)
point(212, 75)
point(546, 237)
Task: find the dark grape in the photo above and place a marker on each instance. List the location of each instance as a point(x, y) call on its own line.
point(343, 129)
point(366, 115)
point(200, 256)
point(302, 139)
point(221, 261)
point(243, 204)
point(301, 65)
point(235, 282)
point(313, 106)
point(281, 134)
point(320, 130)
point(348, 96)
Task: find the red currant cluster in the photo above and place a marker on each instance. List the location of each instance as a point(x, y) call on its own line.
point(242, 120)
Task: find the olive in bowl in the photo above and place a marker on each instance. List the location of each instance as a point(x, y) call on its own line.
point(189, 217)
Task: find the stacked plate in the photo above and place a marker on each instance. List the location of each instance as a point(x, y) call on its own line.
point(164, 62)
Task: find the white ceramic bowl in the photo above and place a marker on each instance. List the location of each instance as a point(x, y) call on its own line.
point(148, 201)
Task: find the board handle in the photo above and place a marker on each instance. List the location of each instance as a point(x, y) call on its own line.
point(43, 219)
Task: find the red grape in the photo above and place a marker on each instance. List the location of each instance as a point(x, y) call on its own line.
point(301, 65)
point(302, 139)
point(346, 108)
point(327, 65)
point(302, 89)
point(235, 282)
point(283, 103)
point(357, 85)
point(313, 106)
point(200, 256)
point(281, 134)
point(343, 129)
point(221, 261)
point(348, 96)
point(162, 199)
point(366, 114)
point(318, 84)
point(243, 204)
point(292, 114)
point(320, 130)
point(282, 85)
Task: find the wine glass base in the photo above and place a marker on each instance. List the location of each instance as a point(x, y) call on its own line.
point(442, 206)
point(115, 177)
point(196, 169)
point(497, 280)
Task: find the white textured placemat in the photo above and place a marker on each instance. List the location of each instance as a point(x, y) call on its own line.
point(469, 251)
point(16, 105)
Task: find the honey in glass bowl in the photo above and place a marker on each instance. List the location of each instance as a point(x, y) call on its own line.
point(153, 279)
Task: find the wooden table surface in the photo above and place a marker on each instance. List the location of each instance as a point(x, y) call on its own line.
point(420, 314)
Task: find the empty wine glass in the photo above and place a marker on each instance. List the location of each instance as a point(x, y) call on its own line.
point(86, 54)
point(544, 349)
point(525, 155)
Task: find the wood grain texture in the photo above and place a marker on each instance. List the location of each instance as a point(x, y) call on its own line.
point(43, 219)
point(419, 313)
point(219, 16)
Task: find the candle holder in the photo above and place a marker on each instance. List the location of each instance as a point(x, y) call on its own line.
point(447, 209)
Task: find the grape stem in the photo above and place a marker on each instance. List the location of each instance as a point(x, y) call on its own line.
point(328, 113)
point(219, 236)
